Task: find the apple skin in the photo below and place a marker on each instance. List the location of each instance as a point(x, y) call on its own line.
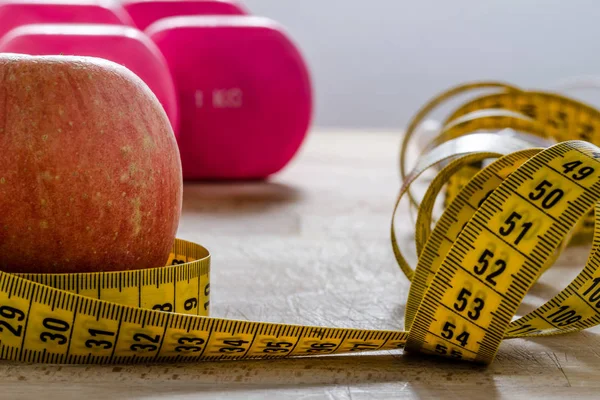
point(90, 173)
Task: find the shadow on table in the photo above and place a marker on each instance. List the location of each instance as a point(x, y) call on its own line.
point(224, 197)
point(579, 345)
point(384, 372)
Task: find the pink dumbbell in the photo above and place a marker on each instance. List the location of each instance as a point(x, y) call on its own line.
point(145, 12)
point(124, 45)
point(244, 93)
point(14, 13)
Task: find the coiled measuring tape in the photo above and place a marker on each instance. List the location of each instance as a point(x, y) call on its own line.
point(510, 209)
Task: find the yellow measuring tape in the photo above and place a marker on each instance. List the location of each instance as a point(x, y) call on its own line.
point(510, 208)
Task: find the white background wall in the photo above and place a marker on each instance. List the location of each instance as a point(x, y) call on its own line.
point(374, 62)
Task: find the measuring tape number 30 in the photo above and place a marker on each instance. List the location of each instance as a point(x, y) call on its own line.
point(510, 207)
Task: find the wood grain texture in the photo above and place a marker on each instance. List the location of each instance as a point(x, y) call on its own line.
point(311, 246)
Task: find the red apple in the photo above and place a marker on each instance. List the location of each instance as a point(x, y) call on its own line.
point(90, 174)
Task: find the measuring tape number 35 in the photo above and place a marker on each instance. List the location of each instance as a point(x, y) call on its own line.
point(511, 206)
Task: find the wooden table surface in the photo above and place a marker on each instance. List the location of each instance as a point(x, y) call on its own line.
point(311, 246)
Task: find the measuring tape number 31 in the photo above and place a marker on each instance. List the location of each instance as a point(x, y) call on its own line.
point(511, 206)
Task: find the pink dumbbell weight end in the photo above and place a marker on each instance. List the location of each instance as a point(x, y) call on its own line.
point(244, 93)
point(14, 13)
